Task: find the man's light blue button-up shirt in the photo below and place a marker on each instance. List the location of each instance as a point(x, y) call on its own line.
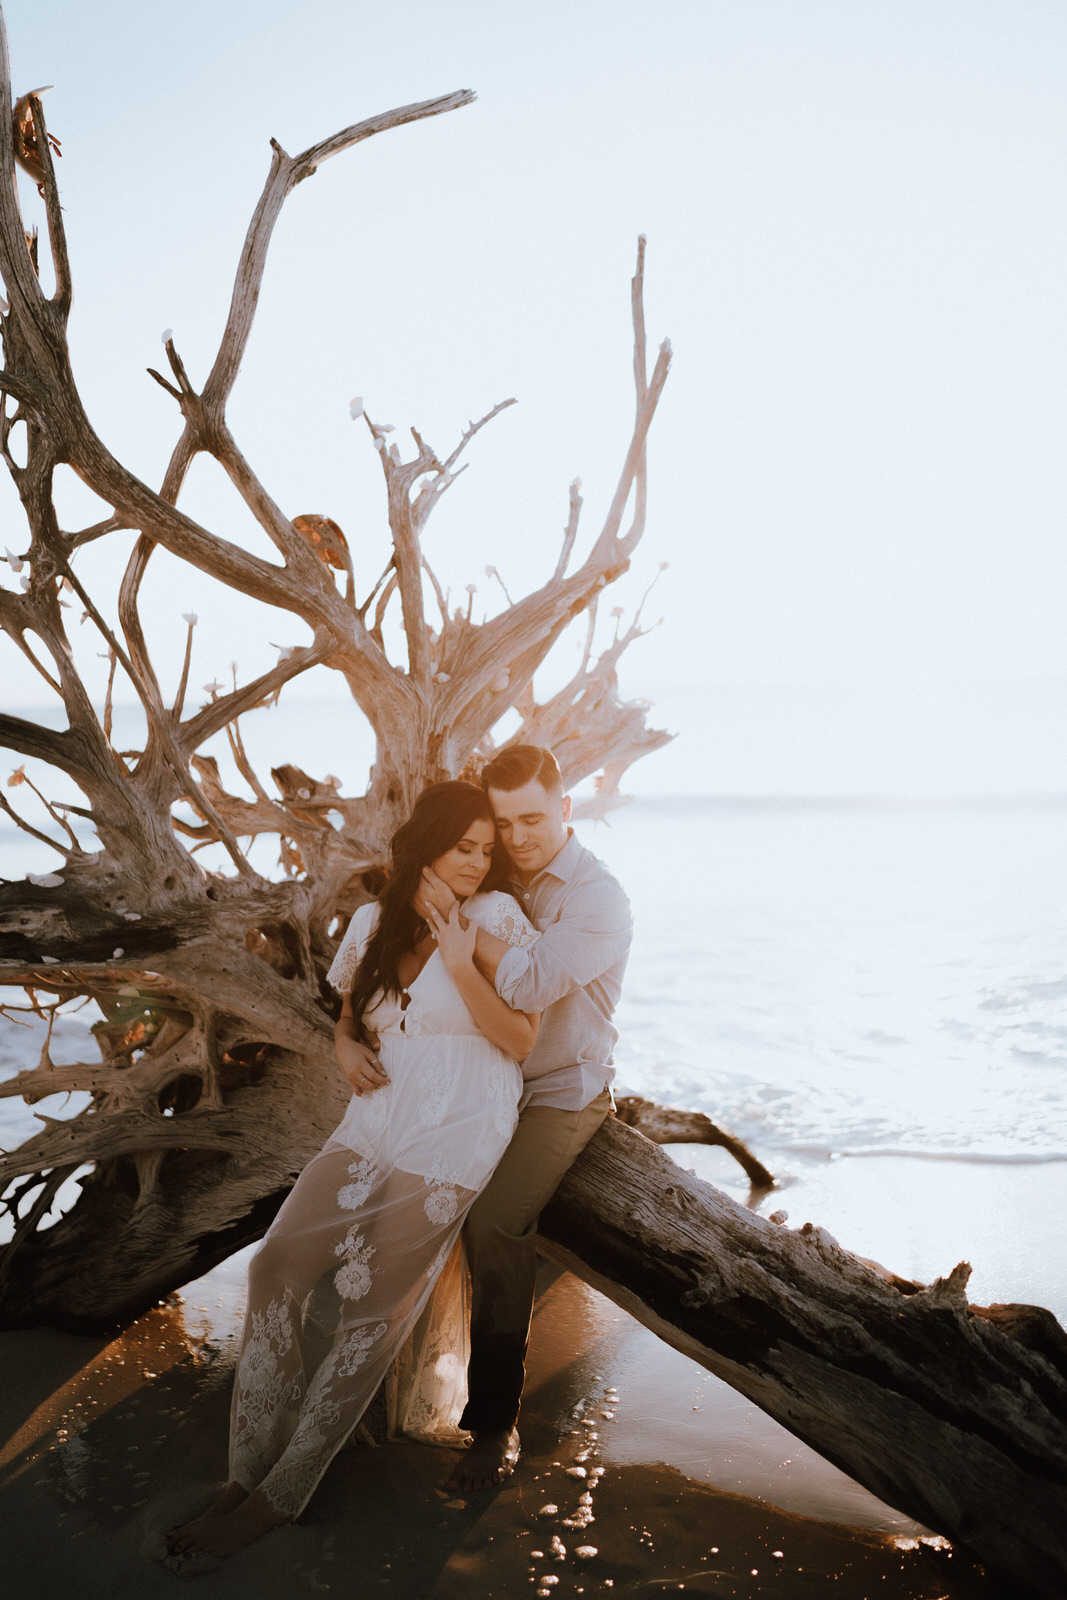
point(572, 975)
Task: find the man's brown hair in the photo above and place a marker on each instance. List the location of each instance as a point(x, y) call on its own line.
point(519, 765)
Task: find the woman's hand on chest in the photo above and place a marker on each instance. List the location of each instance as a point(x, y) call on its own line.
point(455, 939)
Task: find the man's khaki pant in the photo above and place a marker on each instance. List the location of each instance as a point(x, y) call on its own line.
point(499, 1238)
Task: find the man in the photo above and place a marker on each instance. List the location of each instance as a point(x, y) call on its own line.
point(573, 976)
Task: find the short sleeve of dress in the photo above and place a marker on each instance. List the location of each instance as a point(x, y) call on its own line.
point(500, 915)
point(350, 950)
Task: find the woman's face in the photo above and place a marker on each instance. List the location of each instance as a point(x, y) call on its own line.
point(466, 864)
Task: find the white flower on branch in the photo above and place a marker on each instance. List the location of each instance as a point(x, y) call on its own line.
point(213, 688)
point(616, 611)
point(167, 335)
point(24, 584)
point(386, 427)
point(471, 588)
point(191, 618)
point(44, 880)
point(355, 407)
point(285, 651)
point(14, 562)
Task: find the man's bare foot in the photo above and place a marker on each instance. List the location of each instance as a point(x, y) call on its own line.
point(220, 1535)
point(230, 1498)
point(492, 1457)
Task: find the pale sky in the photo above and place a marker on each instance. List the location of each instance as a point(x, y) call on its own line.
point(855, 216)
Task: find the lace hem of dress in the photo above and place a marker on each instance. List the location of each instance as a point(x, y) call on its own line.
point(334, 1291)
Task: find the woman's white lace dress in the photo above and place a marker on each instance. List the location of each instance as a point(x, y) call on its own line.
point(356, 1250)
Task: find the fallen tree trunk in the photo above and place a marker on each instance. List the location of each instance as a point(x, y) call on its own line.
point(954, 1414)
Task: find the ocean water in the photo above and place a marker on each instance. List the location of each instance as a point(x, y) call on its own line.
point(851, 978)
point(874, 996)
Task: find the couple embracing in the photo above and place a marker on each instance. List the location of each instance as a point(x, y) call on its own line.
point(498, 939)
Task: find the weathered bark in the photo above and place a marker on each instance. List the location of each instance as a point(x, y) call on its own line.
point(954, 1414)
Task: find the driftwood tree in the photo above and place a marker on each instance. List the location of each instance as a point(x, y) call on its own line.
point(215, 1081)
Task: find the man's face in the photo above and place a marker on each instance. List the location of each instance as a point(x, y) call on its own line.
point(532, 825)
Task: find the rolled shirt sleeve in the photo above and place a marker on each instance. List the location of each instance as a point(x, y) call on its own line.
point(569, 954)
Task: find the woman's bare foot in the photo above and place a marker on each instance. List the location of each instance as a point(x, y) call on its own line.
point(220, 1535)
point(184, 1537)
point(492, 1457)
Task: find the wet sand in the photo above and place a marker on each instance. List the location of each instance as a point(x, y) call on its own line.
point(107, 1442)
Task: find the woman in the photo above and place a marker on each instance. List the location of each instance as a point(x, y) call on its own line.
point(356, 1249)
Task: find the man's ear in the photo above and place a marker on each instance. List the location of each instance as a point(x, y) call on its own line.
point(566, 808)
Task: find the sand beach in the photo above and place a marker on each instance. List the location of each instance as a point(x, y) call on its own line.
point(107, 1441)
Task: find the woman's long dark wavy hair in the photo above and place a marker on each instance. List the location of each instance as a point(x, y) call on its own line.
point(443, 813)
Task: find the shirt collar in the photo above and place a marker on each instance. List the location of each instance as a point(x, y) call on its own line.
point(563, 865)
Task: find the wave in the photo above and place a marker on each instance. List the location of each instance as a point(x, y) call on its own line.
point(1000, 1158)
